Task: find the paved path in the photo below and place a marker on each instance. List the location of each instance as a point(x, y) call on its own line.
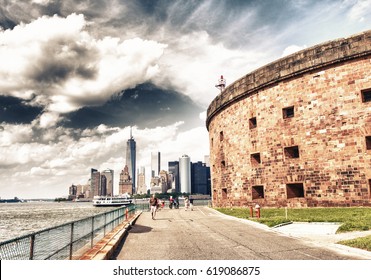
point(205, 234)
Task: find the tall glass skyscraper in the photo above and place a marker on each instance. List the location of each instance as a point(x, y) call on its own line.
point(131, 159)
point(185, 174)
point(155, 164)
point(174, 170)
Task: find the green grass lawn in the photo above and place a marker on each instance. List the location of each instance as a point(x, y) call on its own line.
point(361, 243)
point(351, 219)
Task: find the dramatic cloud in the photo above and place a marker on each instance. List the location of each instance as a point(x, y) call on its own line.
point(359, 9)
point(55, 59)
point(74, 75)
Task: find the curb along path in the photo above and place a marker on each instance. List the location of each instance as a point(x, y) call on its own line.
point(105, 248)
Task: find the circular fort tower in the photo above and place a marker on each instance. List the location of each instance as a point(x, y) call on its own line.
point(296, 132)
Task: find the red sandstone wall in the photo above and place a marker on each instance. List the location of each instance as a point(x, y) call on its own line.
point(329, 126)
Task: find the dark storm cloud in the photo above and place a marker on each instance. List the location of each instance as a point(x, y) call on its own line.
point(14, 110)
point(236, 23)
point(217, 17)
point(145, 106)
point(63, 59)
point(6, 23)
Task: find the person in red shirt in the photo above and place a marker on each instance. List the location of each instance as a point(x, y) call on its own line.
point(153, 202)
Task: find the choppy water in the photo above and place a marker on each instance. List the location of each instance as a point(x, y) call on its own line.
point(17, 219)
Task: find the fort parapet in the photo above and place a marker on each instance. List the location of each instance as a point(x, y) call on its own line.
point(296, 132)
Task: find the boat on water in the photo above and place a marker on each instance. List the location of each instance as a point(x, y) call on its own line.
point(107, 201)
point(12, 200)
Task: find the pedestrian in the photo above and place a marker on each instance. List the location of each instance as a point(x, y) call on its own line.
point(186, 203)
point(191, 203)
point(153, 202)
point(176, 203)
point(171, 202)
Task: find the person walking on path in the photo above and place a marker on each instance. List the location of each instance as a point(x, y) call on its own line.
point(186, 203)
point(153, 202)
point(191, 203)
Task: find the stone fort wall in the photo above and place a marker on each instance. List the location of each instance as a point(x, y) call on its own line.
point(296, 132)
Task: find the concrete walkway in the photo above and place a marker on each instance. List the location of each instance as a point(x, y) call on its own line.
point(208, 234)
point(324, 234)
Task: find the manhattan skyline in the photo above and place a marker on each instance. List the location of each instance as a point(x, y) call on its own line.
point(75, 77)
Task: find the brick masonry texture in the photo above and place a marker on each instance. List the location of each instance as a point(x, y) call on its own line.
point(320, 155)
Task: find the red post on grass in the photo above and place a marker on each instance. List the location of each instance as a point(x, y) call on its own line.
point(257, 209)
point(251, 212)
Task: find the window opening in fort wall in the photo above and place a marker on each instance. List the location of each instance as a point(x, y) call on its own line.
point(366, 95)
point(252, 123)
point(368, 142)
point(296, 132)
point(288, 112)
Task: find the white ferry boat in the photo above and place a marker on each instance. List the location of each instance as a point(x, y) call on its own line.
point(106, 201)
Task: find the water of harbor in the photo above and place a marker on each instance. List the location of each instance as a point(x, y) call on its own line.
point(18, 219)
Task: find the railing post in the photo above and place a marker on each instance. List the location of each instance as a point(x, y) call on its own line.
point(71, 240)
point(32, 246)
point(92, 232)
point(105, 224)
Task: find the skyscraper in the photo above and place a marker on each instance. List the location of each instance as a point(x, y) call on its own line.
point(125, 183)
point(142, 188)
point(131, 159)
point(94, 182)
point(108, 173)
point(185, 174)
point(173, 167)
point(155, 164)
point(200, 178)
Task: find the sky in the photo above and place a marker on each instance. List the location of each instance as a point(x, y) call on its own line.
point(76, 75)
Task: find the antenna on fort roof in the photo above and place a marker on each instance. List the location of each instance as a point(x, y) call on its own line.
point(221, 83)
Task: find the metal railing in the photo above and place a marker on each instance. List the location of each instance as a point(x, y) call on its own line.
point(67, 241)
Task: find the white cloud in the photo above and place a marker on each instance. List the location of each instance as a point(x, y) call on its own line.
point(360, 10)
point(194, 63)
point(203, 116)
point(10, 134)
point(57, 60)
point(292, 49)
point(47, 119)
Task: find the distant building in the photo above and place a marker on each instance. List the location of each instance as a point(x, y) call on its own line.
point(171, 183)
point(200, 178)
point(156, 185)
point(72, 193)
point(164, 181)
point(141, 187)
point(125, 184)
point(131, 160)
point(173, 167)
point(155, 164)
point(108, 177)
point(82, 191)
point(103, 185)
point(94, 182)
point(185, 174)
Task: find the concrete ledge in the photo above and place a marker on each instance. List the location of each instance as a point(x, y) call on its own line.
point(104, 249)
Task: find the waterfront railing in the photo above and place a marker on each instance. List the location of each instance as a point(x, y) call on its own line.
point(66, 241)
